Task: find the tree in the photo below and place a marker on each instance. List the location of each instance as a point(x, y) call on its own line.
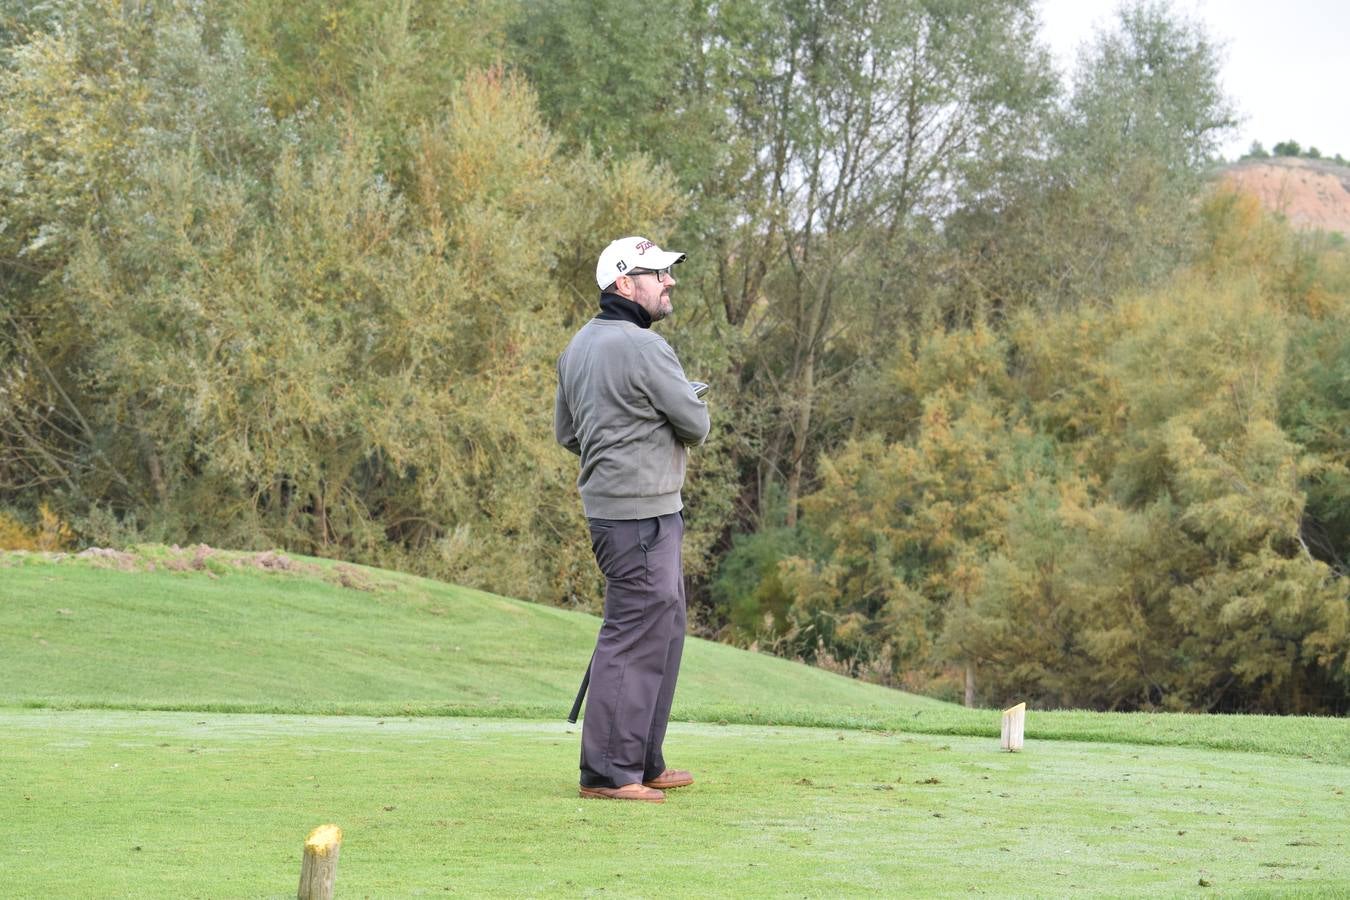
point(1315, 402)
point(389, 65)
point(1098, 507)
point(81, 105)
point(1287, 148)
point(880, 110)
point(1110, 202)
point(244, 331)
point(904, 526)
point(1203, 372)
point(819, 140)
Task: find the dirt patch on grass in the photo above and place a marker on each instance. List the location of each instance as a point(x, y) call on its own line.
point(271, 561)
point(277, 562)
point(185, 560)
point(352, 577)
point(214, 563)
point(107, 557)
point(203, 557)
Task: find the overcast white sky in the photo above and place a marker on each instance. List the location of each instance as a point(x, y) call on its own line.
point(1286, 62)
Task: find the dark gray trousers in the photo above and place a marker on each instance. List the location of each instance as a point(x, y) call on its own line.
point(637, 655)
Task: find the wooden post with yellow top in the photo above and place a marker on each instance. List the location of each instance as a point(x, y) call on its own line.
point(319, 869)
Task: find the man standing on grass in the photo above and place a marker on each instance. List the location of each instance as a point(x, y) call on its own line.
point(625, 407)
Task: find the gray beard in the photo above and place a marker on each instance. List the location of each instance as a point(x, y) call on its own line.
point(663, 310)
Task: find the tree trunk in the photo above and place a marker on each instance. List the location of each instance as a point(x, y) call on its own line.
point(970, 684)
point(801, 426)
point(152, 461)
point(321, 510)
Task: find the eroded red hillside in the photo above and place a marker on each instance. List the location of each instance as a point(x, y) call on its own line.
point(1309, 193)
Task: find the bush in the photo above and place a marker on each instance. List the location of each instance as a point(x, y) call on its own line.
point(747, 591)
point(47, 533)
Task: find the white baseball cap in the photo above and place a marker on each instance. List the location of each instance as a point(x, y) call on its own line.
point(629, 253)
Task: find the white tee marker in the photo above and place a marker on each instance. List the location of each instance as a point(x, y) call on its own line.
point(1014, 718)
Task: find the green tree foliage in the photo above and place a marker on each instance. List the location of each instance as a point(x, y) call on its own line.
point(250, 335)
point(1292, 148)
point(1102, 508)
point(1207, 435)
point(887, 582)
point(821, 141)
point(749, 589)
point(1108, 206)
point(82, 106)
point(388, 65)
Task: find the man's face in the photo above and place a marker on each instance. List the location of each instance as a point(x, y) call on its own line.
point(651, 291)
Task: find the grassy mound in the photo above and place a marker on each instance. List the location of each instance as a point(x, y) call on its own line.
point(214, 631)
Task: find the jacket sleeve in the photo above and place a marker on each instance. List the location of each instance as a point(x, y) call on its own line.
point(564, 429)
point(672, 396)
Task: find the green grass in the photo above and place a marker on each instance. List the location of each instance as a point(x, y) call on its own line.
point(237, 639)
point(175, 804)
point(150, 746)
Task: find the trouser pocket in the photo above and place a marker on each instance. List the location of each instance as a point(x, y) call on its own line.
point(648, 533)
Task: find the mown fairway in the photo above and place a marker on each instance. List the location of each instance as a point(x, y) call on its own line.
point(106, 793)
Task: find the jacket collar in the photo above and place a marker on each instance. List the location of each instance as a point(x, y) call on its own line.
point(614, 307)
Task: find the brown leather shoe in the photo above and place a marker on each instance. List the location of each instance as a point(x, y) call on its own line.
point(627, 792)
point(670, 778)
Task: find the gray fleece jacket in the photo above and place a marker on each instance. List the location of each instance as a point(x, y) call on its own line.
point(625, 407)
